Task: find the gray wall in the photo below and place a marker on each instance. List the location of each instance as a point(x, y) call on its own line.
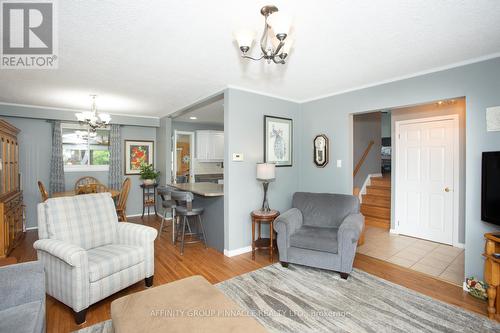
point(35, 146)
point(431, 110)
point(479, 83)
point(386, 124)
point(366, 128)
point(163, 149)
point(244, 127)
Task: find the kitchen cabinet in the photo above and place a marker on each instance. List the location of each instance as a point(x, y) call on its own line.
point(210, 146)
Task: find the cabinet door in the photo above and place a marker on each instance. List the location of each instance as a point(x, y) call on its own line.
point(202, 145)
point(218, 145)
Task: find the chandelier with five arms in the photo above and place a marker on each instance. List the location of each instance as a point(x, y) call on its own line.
point(275, 43)
point(92, 118)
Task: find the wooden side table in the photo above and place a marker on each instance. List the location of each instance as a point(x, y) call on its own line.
point(259, 217)
point(148, 197)
point(492, 274)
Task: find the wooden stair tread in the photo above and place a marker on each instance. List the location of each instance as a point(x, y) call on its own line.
point(377, 222)
point(378, 200)
point(376, 211)
point(377, 205)
point(378, 190)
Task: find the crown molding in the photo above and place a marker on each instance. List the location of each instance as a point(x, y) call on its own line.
point(72, 110)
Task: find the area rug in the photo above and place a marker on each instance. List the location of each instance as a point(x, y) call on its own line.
point(303, 299)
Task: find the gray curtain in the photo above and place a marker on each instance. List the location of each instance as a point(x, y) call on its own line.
point(56, 160)
point(115, 155)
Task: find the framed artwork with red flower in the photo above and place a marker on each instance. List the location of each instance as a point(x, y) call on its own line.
point(138, 153)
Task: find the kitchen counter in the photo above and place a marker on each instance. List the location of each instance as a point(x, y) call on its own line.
point(210, 197)
point(202, 189)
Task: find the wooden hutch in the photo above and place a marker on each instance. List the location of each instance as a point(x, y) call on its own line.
point(11, 197)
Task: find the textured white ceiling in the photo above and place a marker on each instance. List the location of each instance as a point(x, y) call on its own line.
point(155, 57)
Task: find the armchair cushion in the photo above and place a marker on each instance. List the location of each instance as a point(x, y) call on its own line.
point(109, 259)
point(325, 209)
point(87, 221)
point(315, 238)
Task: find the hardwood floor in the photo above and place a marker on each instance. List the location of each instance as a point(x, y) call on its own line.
point(215, 267)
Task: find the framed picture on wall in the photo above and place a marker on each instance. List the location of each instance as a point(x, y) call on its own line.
point(278, 141)
point(137, 153)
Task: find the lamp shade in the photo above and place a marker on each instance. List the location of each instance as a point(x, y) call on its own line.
point(288, 45)
point(244, 37)
point(266, 171)
point(280, 22)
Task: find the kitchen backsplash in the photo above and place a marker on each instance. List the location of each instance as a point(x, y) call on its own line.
point(203, 168)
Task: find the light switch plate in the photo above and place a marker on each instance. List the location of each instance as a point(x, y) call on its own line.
point(238, 157)
point(339, 163)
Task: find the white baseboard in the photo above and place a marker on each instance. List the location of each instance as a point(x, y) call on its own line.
point(393, 231)
point(237, 252)
point(459, 245)
point(134, 215)
point(140, 214)
point(32, 228)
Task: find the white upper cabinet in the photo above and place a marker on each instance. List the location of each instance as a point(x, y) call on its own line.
point(210, 145)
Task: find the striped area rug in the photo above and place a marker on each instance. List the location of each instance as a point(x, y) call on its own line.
point(303, 299)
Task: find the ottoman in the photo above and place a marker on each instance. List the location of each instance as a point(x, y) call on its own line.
point(187, 305)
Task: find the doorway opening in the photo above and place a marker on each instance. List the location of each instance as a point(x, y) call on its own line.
point(183, 157)
point(409, 173)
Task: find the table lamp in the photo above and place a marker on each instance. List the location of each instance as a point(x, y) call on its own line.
point(266, 173)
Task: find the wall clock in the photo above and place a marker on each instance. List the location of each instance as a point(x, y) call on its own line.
point(320, 144)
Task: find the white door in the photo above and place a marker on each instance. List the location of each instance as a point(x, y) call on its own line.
point(426, 177)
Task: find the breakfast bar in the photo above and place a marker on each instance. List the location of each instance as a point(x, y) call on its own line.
point(210, 196)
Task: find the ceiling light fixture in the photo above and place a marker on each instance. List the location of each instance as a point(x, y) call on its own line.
point(275, 43)
point(92, 119)
point(193, 118)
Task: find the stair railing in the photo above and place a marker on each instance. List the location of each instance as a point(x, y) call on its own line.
point(363, 158)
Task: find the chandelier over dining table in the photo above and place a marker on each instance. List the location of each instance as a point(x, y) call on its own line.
point(92, 118)
point(275, 42)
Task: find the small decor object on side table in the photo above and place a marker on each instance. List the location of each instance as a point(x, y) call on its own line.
point(320, 143)
point(259, 217)
point(265, 173)
point(477, 288)
point(148, 174)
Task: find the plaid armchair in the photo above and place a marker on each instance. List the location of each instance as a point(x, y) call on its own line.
point(87, 254)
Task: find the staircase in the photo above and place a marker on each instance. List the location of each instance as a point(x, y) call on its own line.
point(376, 206)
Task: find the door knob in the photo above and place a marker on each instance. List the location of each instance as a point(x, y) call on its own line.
point(447, 189)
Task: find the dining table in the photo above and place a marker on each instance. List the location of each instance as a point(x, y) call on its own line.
point(114, 193)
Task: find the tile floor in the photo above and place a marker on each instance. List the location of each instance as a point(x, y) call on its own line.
point(439, 260)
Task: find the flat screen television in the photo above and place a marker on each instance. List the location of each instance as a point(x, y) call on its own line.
point(490, 188)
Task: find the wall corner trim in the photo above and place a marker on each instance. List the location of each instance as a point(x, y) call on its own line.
point(236, 252)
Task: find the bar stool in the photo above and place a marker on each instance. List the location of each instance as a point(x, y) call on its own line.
point(168, 205)
point(186, 212)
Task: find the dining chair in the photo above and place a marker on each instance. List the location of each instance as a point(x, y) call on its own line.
point(91, 188)
point(86, 181)
point(121, 206)
point(43, 191)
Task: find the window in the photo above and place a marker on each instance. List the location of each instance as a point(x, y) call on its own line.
point(84, 150)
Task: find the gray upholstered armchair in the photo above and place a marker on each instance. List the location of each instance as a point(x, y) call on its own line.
point(321, 230)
